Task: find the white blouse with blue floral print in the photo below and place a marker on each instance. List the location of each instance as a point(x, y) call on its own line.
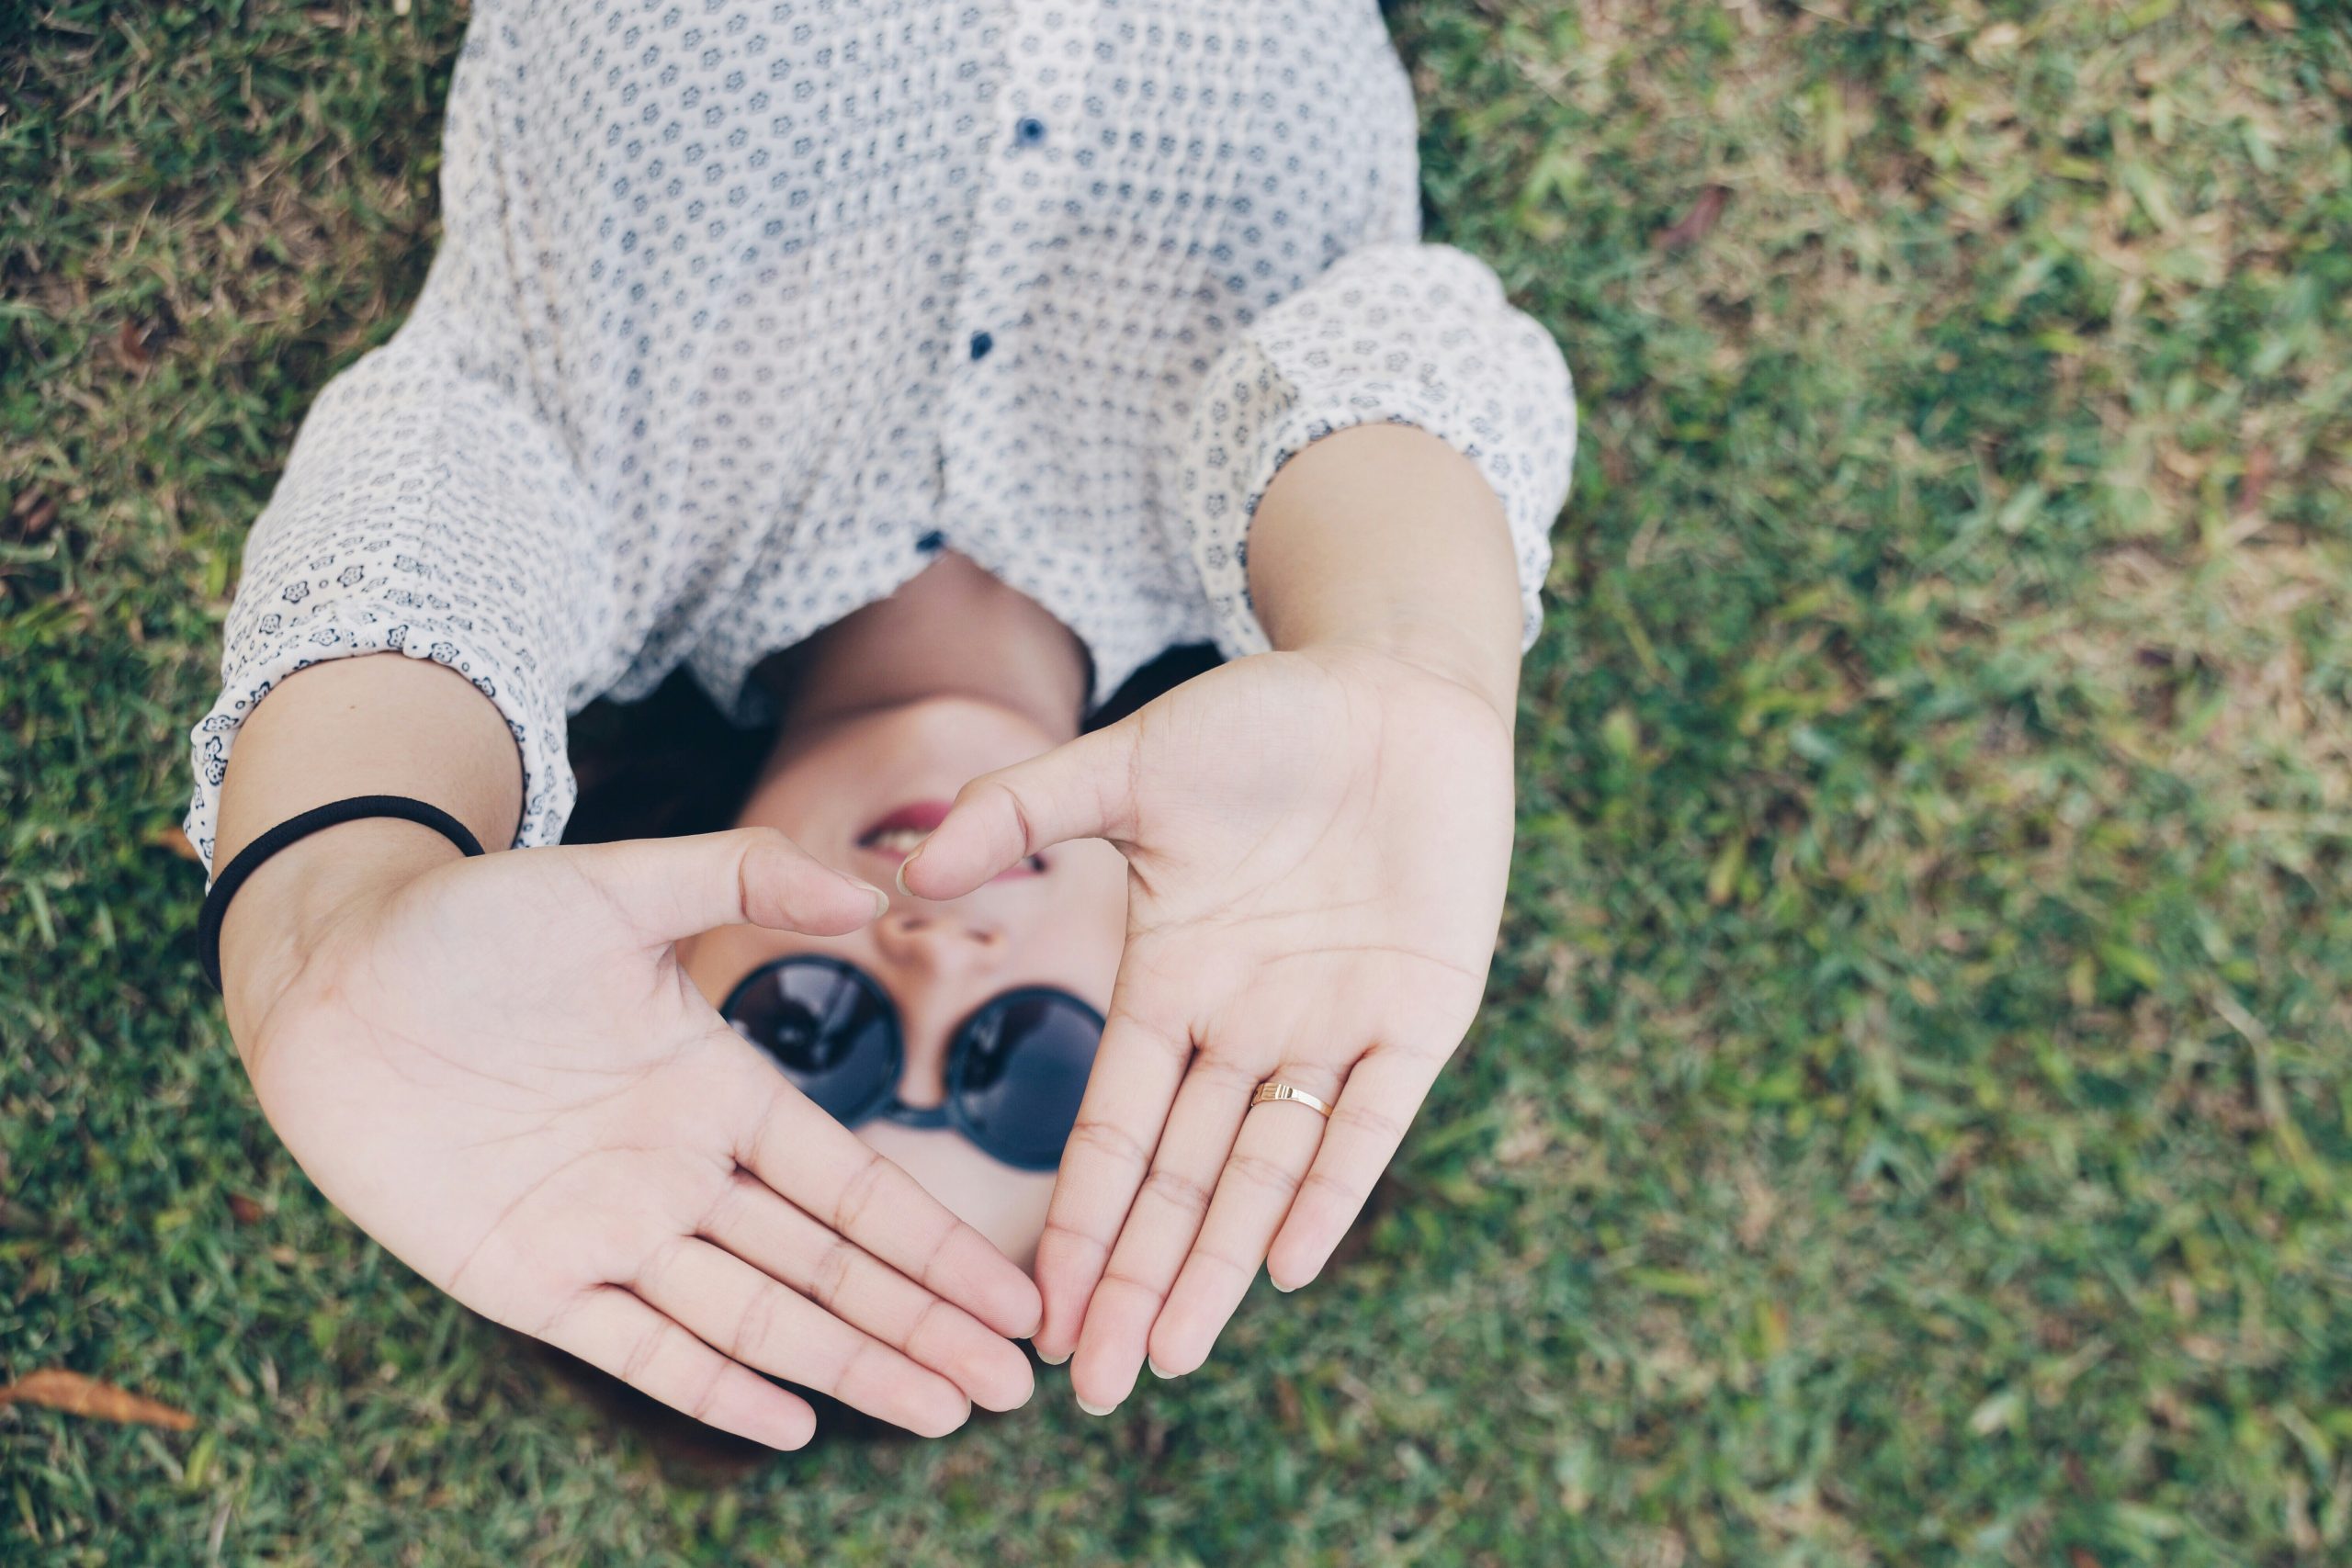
point(746, 310)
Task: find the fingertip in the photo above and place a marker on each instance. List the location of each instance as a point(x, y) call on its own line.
point(951, 1418)
point(996, 1375)
point(1015, 1389)
point(781, 887)
point(983, 1282)
point(1287, 1279)
point(788, 1424)
point(1012, 1306)
point(1293, 1265)
point(1103, 1380)
point(1064, 1282)
point(991, 1371)
point(935, 889)
point(1024, 1310)
point(744, 1402)
point(1170, 1358)
point(1055, 1338)
point(957, 856)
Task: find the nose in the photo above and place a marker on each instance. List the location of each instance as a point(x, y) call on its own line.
point(934, 961)
point(943, 943)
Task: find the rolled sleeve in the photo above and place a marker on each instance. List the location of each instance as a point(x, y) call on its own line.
point(424, 511)
point(1404, 333)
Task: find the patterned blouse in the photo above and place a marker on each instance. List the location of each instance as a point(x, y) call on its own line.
point(746, 309)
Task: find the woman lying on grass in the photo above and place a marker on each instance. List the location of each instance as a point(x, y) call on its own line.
point(914, 374)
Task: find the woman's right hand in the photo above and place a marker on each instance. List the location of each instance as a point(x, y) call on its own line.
point(496, 1069)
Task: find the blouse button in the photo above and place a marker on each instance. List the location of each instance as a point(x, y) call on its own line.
point(981, 344)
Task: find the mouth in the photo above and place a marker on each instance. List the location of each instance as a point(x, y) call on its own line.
point(900, 834)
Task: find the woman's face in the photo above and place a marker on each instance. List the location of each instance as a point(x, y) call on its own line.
point(1058, 920)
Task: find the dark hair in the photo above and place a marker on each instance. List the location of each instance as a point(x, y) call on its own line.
point(673, 763)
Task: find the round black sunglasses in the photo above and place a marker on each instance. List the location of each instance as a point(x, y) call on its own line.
point(1016, 1067)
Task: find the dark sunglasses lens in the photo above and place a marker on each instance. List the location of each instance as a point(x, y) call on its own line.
point(1020, 1073)
point(828, 1027)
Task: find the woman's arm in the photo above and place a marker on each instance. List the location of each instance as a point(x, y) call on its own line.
point(1384, 538)
point(1400, 339)
point(495, 1066)
point(1320, 838)
point(379, 724)
point(496, 1069)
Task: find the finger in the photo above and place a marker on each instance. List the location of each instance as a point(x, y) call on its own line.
point(616, 1333)
point(671, 889)
point(737, 1310)
point(1270, 1160)
point(820, 1165)
point(1161, 1227)
point(772, 1235)
point(1382, 1095)
point(1080, 790)
point(1138, 1069)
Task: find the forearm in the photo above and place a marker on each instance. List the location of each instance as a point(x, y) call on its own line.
point(381, 724)
point(1387, 537)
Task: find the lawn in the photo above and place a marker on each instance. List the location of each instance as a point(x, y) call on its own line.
point(1912, 1122)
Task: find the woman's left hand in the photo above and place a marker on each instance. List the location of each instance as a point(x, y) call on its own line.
point(1318, 844)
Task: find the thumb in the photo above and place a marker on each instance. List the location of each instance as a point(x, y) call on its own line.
point(667, 889)
point(1083, 789)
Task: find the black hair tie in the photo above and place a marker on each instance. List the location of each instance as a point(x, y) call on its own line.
point(249, 859)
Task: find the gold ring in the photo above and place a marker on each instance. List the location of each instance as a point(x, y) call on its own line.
point(1270, 1090)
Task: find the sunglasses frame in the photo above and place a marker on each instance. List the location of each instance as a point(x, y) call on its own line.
point(950, 1112)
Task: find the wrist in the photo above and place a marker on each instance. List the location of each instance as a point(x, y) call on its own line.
point(1480, 665)
point(1385, 538)
point(305, 891)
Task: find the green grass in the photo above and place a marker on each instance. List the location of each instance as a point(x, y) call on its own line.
point(1913, 1123)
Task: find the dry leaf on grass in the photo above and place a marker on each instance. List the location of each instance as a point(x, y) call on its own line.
point(29, 515)
point(76, 1395)
point(141, 339)
point(1696, 224)
point(175, 839)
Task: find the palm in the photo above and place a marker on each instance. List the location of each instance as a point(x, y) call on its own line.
point(499, 1075)
point(1317, 845)
point(1318, 857)
point(491, 1125)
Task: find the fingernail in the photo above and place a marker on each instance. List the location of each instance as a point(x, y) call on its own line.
point(902, 875)
point(1155, 1368)
point(1279, 1286)
point(1053, 1360)
point(881, 899)
point(1096, 1409)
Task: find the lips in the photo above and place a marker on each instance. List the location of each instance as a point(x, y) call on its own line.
point(896, 836)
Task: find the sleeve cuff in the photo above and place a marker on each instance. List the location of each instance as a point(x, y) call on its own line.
point(533, 714)
point(1422, 337)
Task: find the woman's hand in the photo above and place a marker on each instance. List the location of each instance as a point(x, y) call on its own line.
point(496, 1069)
point(1318, 844)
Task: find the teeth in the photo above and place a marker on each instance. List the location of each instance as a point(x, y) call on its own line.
point(903, 840)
